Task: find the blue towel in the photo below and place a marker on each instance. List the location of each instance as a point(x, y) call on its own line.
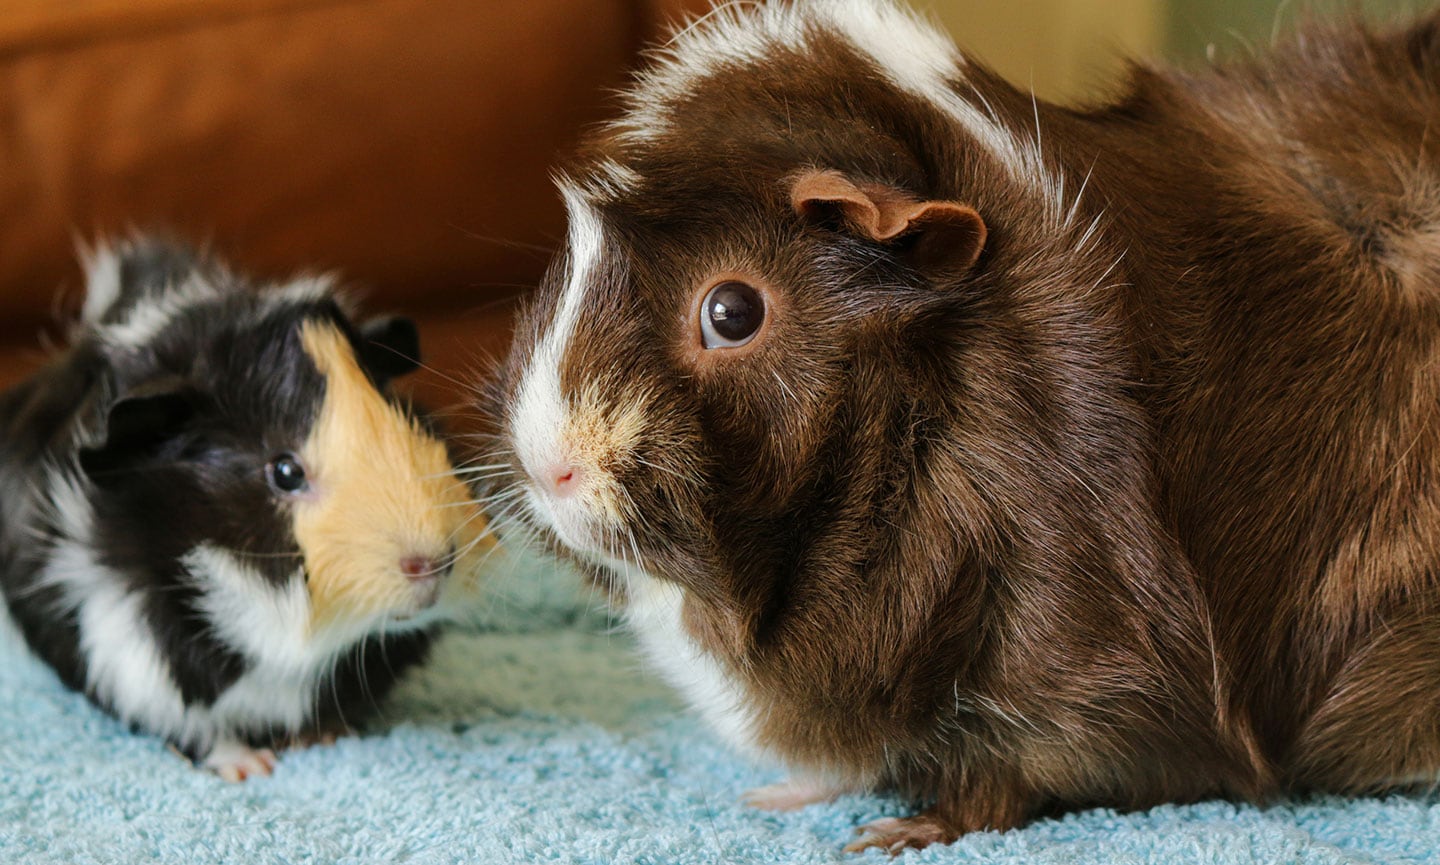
point(535, 736)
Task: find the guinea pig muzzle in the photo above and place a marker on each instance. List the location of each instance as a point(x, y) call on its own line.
point(426, 576)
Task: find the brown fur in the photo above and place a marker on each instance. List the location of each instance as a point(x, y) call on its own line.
point(1137, 503)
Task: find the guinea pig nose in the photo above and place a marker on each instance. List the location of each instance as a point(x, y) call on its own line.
point(419, 568)
point(564, 478)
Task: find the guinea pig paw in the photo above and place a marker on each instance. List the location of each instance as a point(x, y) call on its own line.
point(895, 835)
point(235, 762)
point(789, 795)
point(311, 738)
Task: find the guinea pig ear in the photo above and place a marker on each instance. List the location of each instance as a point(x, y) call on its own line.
point(389, 347)
point(139, 424)
point(941, 237)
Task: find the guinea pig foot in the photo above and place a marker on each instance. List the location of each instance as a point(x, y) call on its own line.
point(311, 738)
point(790, 795)
point(236, 762)
point(895, 835)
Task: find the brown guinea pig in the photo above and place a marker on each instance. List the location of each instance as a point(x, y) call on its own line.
point(1010, 456)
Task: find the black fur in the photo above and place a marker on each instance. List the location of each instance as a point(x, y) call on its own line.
point(169, 440)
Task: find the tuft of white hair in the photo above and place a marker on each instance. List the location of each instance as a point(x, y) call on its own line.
point(911, 53)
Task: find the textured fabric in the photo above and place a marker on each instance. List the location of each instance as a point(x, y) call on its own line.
point(535, 737)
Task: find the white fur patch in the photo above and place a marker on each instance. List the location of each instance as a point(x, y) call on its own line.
point(609, 180)
point(912, 54)
point(542, 411)
point(303, 289)
point(654, 610)
point(571, 520)
point(268, 624)
point(126, 670)
point(102, 280)
point(148, 318)
point(265, 698)
point(125, 667)
point(152, 314)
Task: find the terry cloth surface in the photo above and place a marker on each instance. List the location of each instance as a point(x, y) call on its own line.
point(535, 737)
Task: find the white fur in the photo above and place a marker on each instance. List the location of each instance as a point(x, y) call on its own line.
point(102, 280)
point(268, 624)
point(265, 698)
point(124, 667)
point(301, 289)
point(572, 520)
point(63, 501)
point(271, 626)
point(147, 319)
point(127, 670)
point(654, 610)
point(609, 180)
point(924, 62)
point(912, 54)
point(542, 410)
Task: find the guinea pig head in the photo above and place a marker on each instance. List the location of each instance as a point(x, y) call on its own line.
point(810, 360)
point(697, 379)
point(271, 477)
point(381, 518)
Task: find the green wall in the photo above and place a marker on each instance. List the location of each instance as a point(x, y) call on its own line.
point(1235, 26)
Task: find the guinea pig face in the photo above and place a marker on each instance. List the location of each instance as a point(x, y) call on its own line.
point(688, 386)
point(283, 484)
point(617, 410)
point(378, 515)
point(723, 364)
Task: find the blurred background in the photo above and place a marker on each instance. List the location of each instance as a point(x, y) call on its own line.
point(406, 145)
point(1072, 49)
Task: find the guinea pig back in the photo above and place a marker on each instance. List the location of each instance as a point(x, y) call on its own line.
point(1011, 456)
point(227, 531)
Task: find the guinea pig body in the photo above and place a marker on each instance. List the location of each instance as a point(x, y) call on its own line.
point(216, 523)
point(1012, 456)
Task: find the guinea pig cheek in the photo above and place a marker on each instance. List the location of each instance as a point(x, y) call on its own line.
point(381, 533)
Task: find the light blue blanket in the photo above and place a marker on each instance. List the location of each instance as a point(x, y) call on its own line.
point(535, 737)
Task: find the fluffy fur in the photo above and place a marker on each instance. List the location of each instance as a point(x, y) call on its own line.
point(147, 554)
point(1085, 457)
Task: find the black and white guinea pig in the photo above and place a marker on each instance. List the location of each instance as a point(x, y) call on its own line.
point(215, 521)
point(1012, 456)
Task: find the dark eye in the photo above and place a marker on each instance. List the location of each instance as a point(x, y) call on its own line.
point(731, 315)
point(286, 474)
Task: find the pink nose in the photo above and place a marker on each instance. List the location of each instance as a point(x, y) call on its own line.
point(419, 568)
point(564, 478)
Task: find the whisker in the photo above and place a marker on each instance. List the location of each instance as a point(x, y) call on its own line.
point(505, 242)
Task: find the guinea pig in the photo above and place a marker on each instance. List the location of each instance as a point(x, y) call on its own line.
point(1014, 457)
point(215, 520)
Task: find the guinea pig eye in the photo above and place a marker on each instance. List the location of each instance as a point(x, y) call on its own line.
point(731, 315)
point(286, 474)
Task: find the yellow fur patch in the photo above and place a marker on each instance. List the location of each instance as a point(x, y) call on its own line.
point(382, 489)
point(600, 437)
